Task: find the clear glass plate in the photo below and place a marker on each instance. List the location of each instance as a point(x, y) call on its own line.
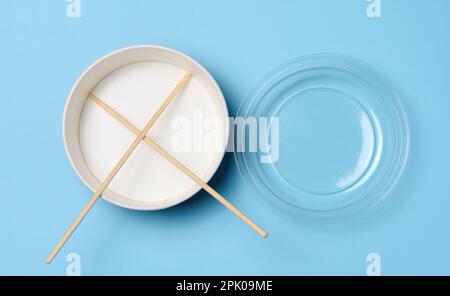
point(343, 137)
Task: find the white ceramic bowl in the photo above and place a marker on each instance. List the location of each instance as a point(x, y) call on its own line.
point(150, 171)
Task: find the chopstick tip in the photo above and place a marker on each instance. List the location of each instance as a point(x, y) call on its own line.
point(50, 258)
point(262, 233)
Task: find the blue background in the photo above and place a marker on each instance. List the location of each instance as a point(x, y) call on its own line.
point(43, 52)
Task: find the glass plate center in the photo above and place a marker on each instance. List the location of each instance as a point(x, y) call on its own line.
point(326, 141)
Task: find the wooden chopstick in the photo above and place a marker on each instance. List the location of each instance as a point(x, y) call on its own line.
point(178, 164)
point(119, 165)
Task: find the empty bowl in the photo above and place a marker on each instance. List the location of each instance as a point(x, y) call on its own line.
point(134, 81)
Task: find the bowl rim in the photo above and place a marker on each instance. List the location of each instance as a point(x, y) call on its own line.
point(131, 203)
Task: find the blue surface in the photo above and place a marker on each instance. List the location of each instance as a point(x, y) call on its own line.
point(43, 52)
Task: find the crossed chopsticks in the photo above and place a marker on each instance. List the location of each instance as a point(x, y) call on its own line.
point(141, 136)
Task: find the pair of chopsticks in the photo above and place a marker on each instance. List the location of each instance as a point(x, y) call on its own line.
point(141, 136)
